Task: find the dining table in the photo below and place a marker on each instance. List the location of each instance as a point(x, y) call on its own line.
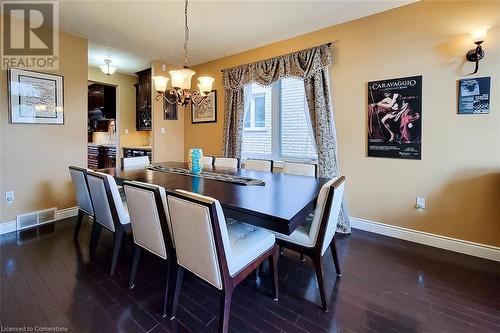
point(281, 204)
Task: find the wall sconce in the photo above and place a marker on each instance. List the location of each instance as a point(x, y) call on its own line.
point(474, 55)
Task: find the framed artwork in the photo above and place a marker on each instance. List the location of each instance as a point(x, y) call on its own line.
point(394, 113)
point(474, 95)
point(169, 110)
point(206, 111)
point(35, 98)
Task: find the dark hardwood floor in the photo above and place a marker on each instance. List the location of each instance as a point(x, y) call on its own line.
point(387, 285)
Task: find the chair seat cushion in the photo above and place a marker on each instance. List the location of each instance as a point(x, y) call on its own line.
point(247, 244)
point(301, 235)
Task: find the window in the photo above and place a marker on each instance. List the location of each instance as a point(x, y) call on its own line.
point(255, 118)
point(276, 125)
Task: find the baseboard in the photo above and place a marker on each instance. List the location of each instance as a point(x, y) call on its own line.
point(7, 227)
point(64, 213)
point(443, 242)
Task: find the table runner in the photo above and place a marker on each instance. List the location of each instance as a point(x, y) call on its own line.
point(209, 175)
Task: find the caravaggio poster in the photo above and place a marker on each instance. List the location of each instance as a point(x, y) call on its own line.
point(395, 118)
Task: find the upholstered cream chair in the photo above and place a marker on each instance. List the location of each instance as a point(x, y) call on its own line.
point(222, 255)
point(79, 179)
point(110, 212)
point(259, 165)
point(227, 162)
point(151, 228)
point(138, 161)
point(300, 169)
point(317, 234)
point(207, 160)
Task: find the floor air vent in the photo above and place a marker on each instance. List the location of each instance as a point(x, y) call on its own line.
point(34, 219)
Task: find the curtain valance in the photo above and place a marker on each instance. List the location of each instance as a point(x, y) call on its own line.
point(301, 64)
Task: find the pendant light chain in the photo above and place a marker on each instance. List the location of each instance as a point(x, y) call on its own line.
point(186, 34)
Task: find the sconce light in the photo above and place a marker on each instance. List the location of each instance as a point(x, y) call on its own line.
point(474, 55)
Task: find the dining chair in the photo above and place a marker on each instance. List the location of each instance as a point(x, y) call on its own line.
point(151, 229)
point(259, 165)
point(317, 234)
point(110, 212)
point(135, 161)
point(79, 180)
point(207, 160)
point(220, 254)
point(300, 169)
point(227, 162)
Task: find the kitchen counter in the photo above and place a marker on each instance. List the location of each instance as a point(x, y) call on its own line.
point(107, 145)
point(147, 148)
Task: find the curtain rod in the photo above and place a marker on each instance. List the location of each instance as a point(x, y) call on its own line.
point(328, 44)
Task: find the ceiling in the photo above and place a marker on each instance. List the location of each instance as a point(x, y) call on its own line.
point(133, 33)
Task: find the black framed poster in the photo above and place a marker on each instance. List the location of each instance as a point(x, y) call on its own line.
point(474, 95)
point(395, 118)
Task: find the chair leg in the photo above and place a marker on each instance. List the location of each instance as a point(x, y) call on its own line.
point(273, 267)
point(335, 257)
point(318, 266)
point(94, 238)
point(116, 249)
point(133, 269)
point(177, 290)
point(170, 287)
point(224, 309)
point(78, 223)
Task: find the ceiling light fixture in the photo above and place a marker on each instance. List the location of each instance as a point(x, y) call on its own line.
point(107, 68)
point(181, 78)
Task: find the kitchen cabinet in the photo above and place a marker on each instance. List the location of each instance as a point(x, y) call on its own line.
point(143, 100)
point(102, 98)
point(101, 157)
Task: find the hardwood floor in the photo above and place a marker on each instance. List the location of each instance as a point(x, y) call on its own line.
point(387, 285)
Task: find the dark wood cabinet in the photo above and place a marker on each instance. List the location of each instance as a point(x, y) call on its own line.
point(135, 152)
point(101, 157)
point(143, 101)
point(102, 98)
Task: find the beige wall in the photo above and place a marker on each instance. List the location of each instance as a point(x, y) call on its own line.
point(35, 158)
point(125, 107)
point(168, 146)
point(459, 173)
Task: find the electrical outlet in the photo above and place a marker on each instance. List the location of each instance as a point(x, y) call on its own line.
point(9, 196)
point(420, 204)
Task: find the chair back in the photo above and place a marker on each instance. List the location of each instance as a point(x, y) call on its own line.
point(200, 234)
point(259, 165)
point(227, 162)
point(79, 179)
point(135, 161)
point(108, 205)
point(326, 214)
point(300, 169)
point(207, 160)
point(149, 217)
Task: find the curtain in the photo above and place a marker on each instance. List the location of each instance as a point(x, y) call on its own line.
point(310, 65)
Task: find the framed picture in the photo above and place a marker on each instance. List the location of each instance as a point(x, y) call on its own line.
point(35, 98)
point(206, 111)
point(394, 113)
point(474, 95)
point(169, 110)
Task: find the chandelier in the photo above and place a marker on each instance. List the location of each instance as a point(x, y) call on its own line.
point(181, 79)
point(107, 68)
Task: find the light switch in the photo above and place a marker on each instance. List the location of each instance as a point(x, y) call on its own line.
point(420, 204)
point(163, 130)
point(126, 130)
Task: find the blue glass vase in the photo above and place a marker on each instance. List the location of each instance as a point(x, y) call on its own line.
point(195, 162)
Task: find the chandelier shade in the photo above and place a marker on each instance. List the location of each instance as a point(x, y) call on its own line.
point(107, 68)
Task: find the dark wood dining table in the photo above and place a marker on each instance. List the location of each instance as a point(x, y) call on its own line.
point(281, 205)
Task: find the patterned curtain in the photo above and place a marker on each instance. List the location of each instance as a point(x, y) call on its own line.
point(310, 65)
